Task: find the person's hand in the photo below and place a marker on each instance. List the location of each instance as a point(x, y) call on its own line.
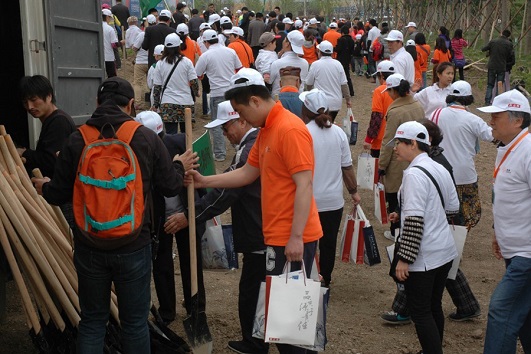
point(349, 104)
point(394, 217)
point(194, 176)
point(356, 198)
point(38, 182)
point(294, 249)
point(21, 151)
point(367, 146)
point(402, 270)
point(175, 222)
point(496, 248)
point(415, 87)
point(189, 159)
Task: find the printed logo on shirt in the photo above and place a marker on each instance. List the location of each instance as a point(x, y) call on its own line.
point(508, 170)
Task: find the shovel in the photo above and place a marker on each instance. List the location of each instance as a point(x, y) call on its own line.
point(195, 325)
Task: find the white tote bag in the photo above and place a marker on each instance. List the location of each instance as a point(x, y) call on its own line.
point(367, 171)
point(292, 310)
point(459, 233)
point(213, 246)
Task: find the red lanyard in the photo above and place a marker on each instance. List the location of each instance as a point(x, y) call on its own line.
point(511, 148)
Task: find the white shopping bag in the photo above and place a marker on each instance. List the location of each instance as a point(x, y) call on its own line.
point(367, 171)
point(292, 309)
point(213, 246)
point(380, 207)
point(459, 233)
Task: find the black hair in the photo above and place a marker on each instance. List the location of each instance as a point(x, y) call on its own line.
point(434, 131)
point(403, 88)
point(420, 38)
point(422, 147)
point(526, 118)
point(213, 41)
point(242, 95)
point(440, 44)
point(384, 74)
point(36, 86)
point(259, 15)
point(245, 8)
point(439, 68)
point(276, 7)
point(183, 36)
point(462, 100)
point(322, 119)
point(152, 10)
point(171, 54)
point(373, 22)
point(458, 34)
point(289, 15)
point(195, 11)
point(506, 33)
point(360, 25)
point(412, 50)
point(272, 14)
point(104, 17)
point(444, 31)
point(226, 26)
point(344, 30)
point(281, 26)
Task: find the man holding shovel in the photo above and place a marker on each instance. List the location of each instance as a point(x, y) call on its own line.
point(282, 157)
point(124, 261)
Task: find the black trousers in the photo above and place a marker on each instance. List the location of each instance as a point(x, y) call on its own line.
point(392, 206)
point(253, 274)
point(330, 221)
point(349, 80)
point(164, 274)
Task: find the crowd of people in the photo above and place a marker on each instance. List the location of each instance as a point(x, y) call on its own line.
point(272, 84)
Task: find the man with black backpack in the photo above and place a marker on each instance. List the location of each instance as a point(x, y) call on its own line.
point(108, 168)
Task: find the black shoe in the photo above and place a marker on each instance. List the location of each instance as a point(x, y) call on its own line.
point(460, 317)
point(242, 347)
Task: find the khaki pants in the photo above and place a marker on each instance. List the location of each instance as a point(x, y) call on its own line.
point(140, 85)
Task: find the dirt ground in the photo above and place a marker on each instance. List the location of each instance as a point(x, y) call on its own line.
point(359, 294)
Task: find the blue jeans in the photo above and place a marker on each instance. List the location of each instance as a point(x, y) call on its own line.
point(217, 134)
point(510, 310)
point(131, 275)
point(492, 81)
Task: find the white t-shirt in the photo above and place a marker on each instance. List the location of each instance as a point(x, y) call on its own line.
point(331, 152)
point(201, 44)
point(221, 39)
point(109, 37)
point(374, 33)
point(264, 60)
point(327, 75)
point(178, 88)
point(461, 129)
point(418, 196)
point(432, 97)
point(404, 64)
point(219, 63)
point(289, 58)
point(141, 54)
point(130, 35)
point(512, 199)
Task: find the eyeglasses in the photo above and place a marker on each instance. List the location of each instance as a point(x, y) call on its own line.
point(225, 127)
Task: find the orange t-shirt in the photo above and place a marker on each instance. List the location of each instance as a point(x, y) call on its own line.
point(380, 103)
point(283, 147)
point(310, 54)
point(192, 48)
point(439, 56)
point(422, 55)
point(244, 52)
point(332, 36)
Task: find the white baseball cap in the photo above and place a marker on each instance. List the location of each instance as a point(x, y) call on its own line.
point(358, 36)
point(204, 26)
point(393, 81)
point(225, 113)
point(234, 30)
point(296, 39)
point(394, 35)
point(287, 20)
point(158, 49)
point(333, 25)
point(512, 100)
point(412, 130)
point(410, 42)
point(246, 77)
point(150, 120)
point(223, 20)
point(106, 12)
point(209, 34)
point(165, 13)
point(172, 40)
point(411, 24)
point(461, 88)
point(238, 11)
point(385, 66)
point(213, 18)
point(326, 47)
point(314, 100)
point(313, 21)
point(151, 19)
point(298, 24)
point(182, 28)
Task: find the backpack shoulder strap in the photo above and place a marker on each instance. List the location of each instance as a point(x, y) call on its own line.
point(127, 130)
point(89, 133)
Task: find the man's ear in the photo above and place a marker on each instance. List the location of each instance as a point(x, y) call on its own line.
point(254, 101)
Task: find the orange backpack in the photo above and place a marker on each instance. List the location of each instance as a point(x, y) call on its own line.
point(108, 198)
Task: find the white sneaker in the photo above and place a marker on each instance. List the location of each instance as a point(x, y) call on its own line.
point(388, 235)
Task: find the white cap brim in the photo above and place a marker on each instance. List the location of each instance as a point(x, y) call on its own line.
point(218, 122)
point(492, 109)
point(297, 49)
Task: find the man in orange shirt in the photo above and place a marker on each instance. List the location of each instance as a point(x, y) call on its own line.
point(242, 49)
point(332, 36)
point(380, 102)
point(283, 158)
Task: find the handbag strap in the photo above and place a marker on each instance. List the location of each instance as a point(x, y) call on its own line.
point(169, 76)
point(434, 182)
point(245, 50)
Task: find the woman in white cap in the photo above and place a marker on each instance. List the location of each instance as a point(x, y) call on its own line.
point(403, 109)
point(174, 75)
point(157, 52)
point(425, 249)
point(333, 164)
point(189, 47)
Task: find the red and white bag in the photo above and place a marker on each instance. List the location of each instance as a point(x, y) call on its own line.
point(380, 207)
